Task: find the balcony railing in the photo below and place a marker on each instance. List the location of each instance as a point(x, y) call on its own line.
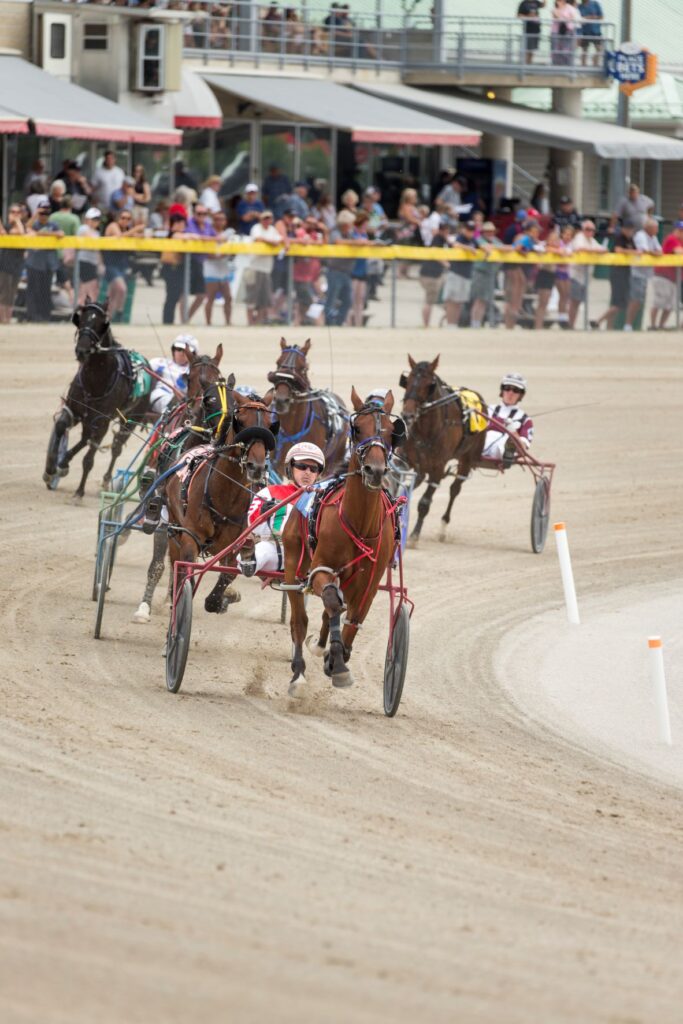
point(458, 46)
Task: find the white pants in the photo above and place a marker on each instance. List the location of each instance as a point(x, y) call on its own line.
point(266, 554)
point(160, 399)
point(494, 444)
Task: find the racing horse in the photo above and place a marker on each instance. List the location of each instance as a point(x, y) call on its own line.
point(111, 383)
point(305, 413)
point(208, 502)
point(354, 531)
point(442, 425)
point(184, 426)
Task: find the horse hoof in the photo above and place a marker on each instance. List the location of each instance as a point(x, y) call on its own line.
point(62, 470)
point(442, 534)
point(143, 614)
point(314, 647)
point(297, 687)
point(342, 680)
point(412, 541)
point(215, 604)
point(47, 478)
point(77, 499)
point(232, 596)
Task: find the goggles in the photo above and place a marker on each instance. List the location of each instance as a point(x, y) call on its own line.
point(310, 467)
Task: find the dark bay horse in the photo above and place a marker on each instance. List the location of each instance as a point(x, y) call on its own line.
point(109, 386)
point(439, 420)
point(355, 529)
point(208, 509)
point(185, 425)
point(305, 413)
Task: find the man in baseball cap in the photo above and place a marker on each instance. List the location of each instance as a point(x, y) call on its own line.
point(249, 209)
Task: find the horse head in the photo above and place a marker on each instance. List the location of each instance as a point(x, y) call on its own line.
point(255, 435)
point(93, 329)
point(373, 432)
point(420, 384)
point(204, 380)
point(290, 375)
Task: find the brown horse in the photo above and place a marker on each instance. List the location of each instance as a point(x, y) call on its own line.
point(209, 511)
point(438, 423)
point(355, 532)
point(184, 426)
point(305, 413)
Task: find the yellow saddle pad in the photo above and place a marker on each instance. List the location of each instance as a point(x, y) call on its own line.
point(471, 406)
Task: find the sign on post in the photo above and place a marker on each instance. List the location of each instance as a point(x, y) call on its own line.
point(632, 65)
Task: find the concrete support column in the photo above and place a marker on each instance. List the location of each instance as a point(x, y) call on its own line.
point(501, 147)
point(566, 165)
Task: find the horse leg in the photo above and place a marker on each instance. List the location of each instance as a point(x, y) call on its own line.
point(463, 474)
point(93, 442)
point(422, 512)
point(120, 437)
point(317, 648)
point(298, 625)
point(63, 422)
point(154, 574)
point(337, 656)
point(218, 601)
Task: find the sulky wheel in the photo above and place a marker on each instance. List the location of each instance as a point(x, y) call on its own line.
point(57, 447)
point(396, 661)
point(107, 549)
point(540, 512)
point(178, 643)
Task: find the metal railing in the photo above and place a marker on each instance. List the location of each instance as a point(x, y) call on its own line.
point(457, 45)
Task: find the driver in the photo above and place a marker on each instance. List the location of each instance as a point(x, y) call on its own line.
point(174, 372)
point(508, 412)
point(304, 464)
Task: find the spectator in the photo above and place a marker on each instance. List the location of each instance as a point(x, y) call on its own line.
point(540, 200)
point(249, 209)
point(40, 267)
point(526, 242)
point(372, 205)
point(259, 292)
point(77, 186)
point(200, 226)
point(432, 271)
point(645, 241)
point(142, 193)
point(546, 279)
point(56, 194)
point(210, 194)
point(38, 173)
point(271, 30)
point(159, 220)
point(458, 284)
point(566, 215)
point(296, 201)
point(584, 241)
point(566, 24)
point(429, 224)
point(528, 11)
point(408, 232)
point(11, 264)
point(338, 299)
point(107, 179)
point(117, 262)
point(664, 286)
point(306, 273)
point(172, 269)
point(349, 200)
point(217, 271)
point(359, 273)
point(90, 264)
point(591, 33)
point(123, 198)
point(285, 225)
point(67, 221)
point(184, 178)
point(295, 31)
point(633, 207)
point(37, 194)
point(562, 277)
point(619, 277)
point(276, 184)
point(325, 211)
point(484, 274)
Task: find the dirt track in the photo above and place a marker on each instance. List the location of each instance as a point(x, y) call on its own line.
point(227, 855)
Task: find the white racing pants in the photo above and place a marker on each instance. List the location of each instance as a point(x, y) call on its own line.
point(267, 556)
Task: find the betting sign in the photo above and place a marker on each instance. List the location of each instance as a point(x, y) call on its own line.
point(632, 66)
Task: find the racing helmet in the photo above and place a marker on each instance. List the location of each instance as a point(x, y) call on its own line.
point(304, 450)
point(186, 341)
point(514, 380)
point(377, 397)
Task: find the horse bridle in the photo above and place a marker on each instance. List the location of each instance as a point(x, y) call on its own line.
point(376, 440)
point(286, 372)
point(88, 332)
point(425, 405)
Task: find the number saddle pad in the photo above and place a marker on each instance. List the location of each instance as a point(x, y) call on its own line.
point(472, 409)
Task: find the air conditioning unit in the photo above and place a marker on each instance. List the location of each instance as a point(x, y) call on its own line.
point(56, 45)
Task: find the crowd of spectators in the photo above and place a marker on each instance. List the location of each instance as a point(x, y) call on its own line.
point(574, 25)
point(37, 284)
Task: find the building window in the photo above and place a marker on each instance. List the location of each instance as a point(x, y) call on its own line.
point(95, 36)
point(57, 41)
point(151, 58)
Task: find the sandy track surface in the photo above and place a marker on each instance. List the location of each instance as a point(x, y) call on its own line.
point(227, 854)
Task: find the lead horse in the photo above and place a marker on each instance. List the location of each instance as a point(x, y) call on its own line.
point(305, 413)
point(355, 539)
point(110, 385)
point(440, 422)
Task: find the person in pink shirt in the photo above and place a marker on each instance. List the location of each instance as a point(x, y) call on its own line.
point(665, 292)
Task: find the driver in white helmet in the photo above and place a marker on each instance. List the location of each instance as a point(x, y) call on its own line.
point(174, 372)
point(508, 412)
point(304, 465)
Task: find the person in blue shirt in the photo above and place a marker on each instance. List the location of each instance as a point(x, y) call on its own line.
point(275, 184)
point(249, 209)
point(591, 33)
